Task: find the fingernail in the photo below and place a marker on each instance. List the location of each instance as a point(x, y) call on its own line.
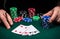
point(11, 23)
point(50, 21)
point(8, 27)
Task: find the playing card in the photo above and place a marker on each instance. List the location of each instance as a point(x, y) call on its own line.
point(25, 33)
point(31, 30)
point(19, 30)
point(28, 30)
point(35, 31)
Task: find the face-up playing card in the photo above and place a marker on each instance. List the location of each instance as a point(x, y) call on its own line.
point(25, 33)
point(35, 30)
point(31, 30)
point(25, 30)
point(19, 30)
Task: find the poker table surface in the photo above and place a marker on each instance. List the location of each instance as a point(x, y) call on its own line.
point(51, 33)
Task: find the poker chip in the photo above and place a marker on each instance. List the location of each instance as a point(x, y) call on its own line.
point(27, 19)
point(36, 18)
point(45, 22)
point(31, 12)
point(18, 19)
point(46, 18)
point(15, 19)
point(13, 12)
point(31, 9)
point(45, 25)
point(23, 13)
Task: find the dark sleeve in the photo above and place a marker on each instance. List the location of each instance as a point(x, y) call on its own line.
point(40, 5)
point(1, 4)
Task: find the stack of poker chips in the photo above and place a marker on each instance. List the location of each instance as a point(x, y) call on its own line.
point(23, 13)
point(45, 22)
point(36, 18)
point(27, 19)
point(13, 12)
point(31, 12)
point(18, 19)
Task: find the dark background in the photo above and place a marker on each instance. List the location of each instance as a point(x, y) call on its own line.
point(42, 6)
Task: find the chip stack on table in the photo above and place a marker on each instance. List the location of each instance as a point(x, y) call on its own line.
point(45, 22)
point(31, 12)
point(27, 19)
point(36, 18)
point(13, 12)
point(18, 19)
point(23, 13)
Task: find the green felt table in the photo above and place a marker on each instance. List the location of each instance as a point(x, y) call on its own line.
point(51, 33)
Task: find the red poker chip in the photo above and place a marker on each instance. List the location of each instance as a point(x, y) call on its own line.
point(31, 14)
point(15, 19)
point(18, 19)
point(31, 9)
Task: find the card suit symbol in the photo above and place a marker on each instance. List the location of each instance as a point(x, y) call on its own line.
point(19, 32)
point(35, 31)
point(25, 27)
point(15, 30)
point(26, 32)
point(21, 26)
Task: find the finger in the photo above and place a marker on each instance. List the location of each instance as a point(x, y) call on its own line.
point(49, 13)
point(2, 11)
point(55, 13)
point(5, 21)
point(9, 19)
point(58, 20)
point(58, 17)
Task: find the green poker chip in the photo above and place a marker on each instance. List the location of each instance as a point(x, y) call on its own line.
point(13, 9)
point(13, 12)
point(36, 18)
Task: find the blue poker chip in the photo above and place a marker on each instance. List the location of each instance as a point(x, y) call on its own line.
point(45, 18)
point(27, 19)
point(45, 22)
point(45, 26)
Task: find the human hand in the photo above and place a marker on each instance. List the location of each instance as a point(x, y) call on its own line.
point(6, 19)
point(54, 14)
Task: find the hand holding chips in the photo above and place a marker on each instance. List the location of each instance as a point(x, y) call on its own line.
point(54, 14)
